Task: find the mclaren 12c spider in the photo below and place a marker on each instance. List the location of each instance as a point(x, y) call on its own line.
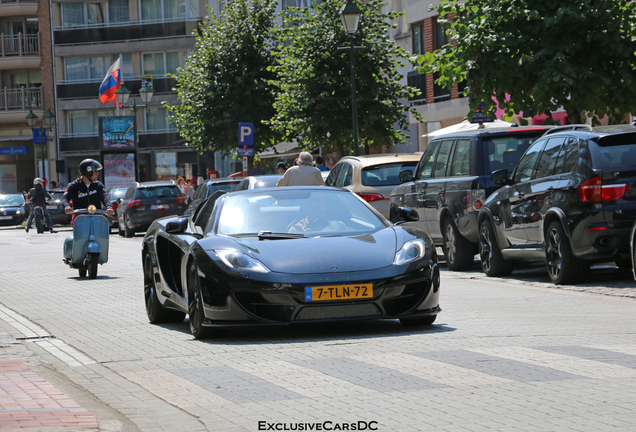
point(285, 255)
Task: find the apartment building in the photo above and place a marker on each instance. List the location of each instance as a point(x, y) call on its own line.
point(153, 38)
point(26, 88)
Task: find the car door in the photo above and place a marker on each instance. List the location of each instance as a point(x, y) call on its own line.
point(414, 198)
point(546, 179)
point(435, 193)
point(512, 202)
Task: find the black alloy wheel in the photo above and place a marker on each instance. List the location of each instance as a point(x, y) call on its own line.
point(492, 260)
point(195, 307)
point(93, 259)
point(563, 267)
point(459, 252)
point(419, 321)
point(157, 314)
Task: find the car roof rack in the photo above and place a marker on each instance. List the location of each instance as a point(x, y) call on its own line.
point(568, 127)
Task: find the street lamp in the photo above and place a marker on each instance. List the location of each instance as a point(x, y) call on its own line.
point(350, 16)
point(48, 120)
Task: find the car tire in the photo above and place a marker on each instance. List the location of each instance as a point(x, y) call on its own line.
point(195, 305)
point(459, 252)
point(419, 321)
point(120, 231)
point(563, 267)
point(128, 232)
point(157, 314)
point(490, 256)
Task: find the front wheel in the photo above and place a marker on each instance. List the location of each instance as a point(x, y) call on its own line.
point(82, 272)
point(459, 251)
point(492, 260)
point(195, 307)
point(92, 265)
point(563, 267)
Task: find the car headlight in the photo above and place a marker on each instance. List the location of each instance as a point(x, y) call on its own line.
point(411, 251)
point(240, 261)
point(17, 212)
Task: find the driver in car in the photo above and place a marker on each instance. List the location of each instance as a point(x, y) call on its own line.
point(319, 216)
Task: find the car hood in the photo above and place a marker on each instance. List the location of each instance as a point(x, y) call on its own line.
point(320, 254)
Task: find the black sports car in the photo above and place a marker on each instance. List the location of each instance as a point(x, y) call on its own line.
point(283, 255)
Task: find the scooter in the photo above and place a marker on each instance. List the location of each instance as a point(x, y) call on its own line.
point(88, 246)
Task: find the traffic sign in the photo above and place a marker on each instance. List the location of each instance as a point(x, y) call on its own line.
point(246, 134)
point(245, 152)
point(39, 136)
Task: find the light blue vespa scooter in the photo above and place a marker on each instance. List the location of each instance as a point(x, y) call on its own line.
point(89, 244)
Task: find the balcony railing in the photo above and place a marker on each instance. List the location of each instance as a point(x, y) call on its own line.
point(20, 99)
point(20, 45)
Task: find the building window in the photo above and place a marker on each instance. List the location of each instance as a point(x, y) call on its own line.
point(418, 81)
point(118, 11)
point(158, 120)
point(441, 38)
point(417, 35)
point(83, 122)
point(88, 69)
point(162, 63)
point(440, 93)
point(169, 10)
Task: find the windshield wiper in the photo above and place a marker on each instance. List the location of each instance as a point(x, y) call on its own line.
point(268, 235)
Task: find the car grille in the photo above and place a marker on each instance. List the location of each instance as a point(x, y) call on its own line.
point(335, 311)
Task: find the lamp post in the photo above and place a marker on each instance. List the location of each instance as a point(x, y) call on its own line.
point(350, 16)
point(39, 135)
point(122, 95)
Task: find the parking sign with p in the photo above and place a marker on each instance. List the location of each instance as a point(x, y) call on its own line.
point(246, 134)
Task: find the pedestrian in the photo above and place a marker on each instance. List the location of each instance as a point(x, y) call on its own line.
point(257, 170)
point(188, 189)
point(281, 167)
point(303, 174)
point(320, 164)
point(181, 184)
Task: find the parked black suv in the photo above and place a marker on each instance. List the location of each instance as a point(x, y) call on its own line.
point(451, 182)
point(147, 201)
point(571, 201)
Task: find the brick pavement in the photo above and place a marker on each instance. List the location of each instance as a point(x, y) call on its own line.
point(506, 354)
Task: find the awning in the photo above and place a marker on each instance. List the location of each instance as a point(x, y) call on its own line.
point(283, 149)
point(17, 138)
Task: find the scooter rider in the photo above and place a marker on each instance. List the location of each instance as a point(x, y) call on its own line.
point(37, 197)
point(87, 190)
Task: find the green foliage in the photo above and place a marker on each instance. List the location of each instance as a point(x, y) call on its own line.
point(546, 54)
point(313, 78)
point(226, 79)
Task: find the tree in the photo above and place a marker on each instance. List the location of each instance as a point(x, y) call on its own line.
point(545, 54)
point(313, 101)
point(226, 79)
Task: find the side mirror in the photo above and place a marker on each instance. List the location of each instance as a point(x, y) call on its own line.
point(177, 227)
point(406, 175)
point(407, 214)
point(500, 177)
point(118, 200)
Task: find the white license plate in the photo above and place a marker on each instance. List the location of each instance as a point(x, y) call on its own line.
point(51, 207)
point(5, 217)
point(159, 207)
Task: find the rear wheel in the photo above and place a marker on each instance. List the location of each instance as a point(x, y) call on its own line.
point(92, 265)
point(155, 311)
point(127, 231)
point(39, 223)
point(459, 252)
point(195, 308)
point(563, 267)
point(420, 321)
point(82, 272)
point(492, 260)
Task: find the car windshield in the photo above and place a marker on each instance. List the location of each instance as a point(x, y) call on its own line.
point(57, 195)
point(504, 152)
point(307, 212)
point(117, 193)
point(11, 200)
point(266, 181)
point(158, 192)
point(385, 174)
point(225, 187)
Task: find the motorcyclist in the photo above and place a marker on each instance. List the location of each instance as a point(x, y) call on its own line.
point(37, 196)
point(87, 190)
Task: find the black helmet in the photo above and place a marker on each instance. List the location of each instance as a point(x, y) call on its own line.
point(88, 166)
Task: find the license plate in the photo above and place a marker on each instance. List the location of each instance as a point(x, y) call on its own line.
point(52, 207)
point(339, 292)
point(5, 217)
point(159, 207)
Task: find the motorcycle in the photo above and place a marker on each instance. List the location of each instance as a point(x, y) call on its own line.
point(88, 246)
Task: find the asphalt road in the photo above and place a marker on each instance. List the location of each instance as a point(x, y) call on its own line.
point(505, 354)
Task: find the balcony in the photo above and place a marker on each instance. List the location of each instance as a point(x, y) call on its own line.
point(90, 90)
point(15, 103)
point(148, 140)
point(11, 8)
point(20, 51)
